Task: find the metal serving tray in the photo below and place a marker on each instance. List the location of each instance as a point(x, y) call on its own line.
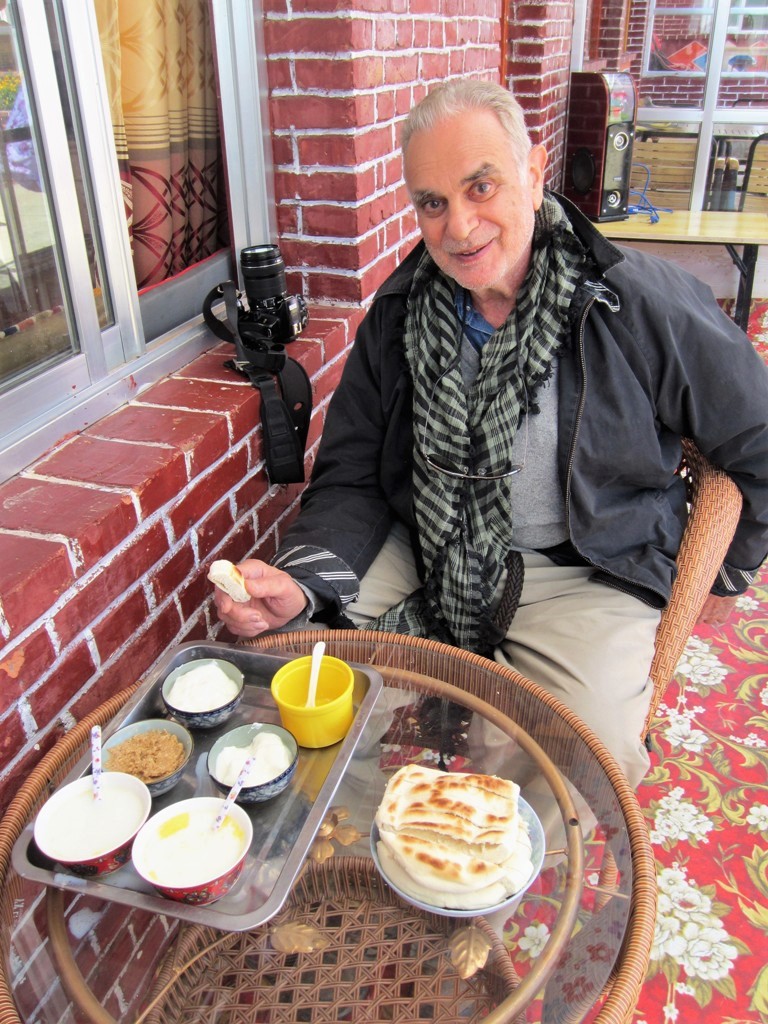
point(283, 828)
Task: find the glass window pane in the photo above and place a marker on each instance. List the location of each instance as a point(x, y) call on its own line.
point(676, 53)
point(35, 328)
point(744, 72)
point(746, 48)
point(680, 43)
point(55, 48)
point(84, 186)
point(731, 144)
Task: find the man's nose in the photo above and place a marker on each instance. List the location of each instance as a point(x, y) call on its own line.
point(462, 220)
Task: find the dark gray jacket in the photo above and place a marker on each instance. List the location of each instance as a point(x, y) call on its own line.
point(652, 359)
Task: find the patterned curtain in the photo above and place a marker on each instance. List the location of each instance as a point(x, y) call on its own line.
point(159, 66)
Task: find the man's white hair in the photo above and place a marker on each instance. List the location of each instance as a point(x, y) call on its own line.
point(461, 94)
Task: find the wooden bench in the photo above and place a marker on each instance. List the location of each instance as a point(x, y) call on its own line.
point(662, 169)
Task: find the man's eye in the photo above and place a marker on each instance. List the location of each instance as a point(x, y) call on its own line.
point(483, 189)
point(432, 206)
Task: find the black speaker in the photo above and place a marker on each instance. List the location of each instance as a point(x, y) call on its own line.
point(598, 143)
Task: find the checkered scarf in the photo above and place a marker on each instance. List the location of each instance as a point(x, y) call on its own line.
point(465, 530)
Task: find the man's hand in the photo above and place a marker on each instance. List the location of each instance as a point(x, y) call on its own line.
point(716, 610)
point(275, 599)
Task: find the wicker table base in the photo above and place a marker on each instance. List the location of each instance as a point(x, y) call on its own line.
point(365, 956)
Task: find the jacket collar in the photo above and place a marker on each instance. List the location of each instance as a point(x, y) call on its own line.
point(400, 280)
point(605, 254)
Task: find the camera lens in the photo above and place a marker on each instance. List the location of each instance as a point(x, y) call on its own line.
point(263, 272)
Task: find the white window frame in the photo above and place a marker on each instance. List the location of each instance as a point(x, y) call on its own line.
point(117, 362)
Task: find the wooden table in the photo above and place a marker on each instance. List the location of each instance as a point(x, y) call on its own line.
point(344, 944)
point(705, 227)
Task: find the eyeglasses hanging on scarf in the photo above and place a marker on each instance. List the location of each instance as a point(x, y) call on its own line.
point(442, 465)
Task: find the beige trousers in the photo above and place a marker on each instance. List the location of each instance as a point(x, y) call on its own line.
point(589, 645)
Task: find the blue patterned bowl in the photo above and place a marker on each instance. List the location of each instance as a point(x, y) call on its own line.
point(158, 785)
point(211, 716)
point(243, 736)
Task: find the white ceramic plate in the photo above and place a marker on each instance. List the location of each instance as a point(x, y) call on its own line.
point(536, 833)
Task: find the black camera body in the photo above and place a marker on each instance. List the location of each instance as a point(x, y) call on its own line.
point(259, 328)
point(273, 316)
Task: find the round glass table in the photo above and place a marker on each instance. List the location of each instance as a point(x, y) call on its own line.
point(343, 945)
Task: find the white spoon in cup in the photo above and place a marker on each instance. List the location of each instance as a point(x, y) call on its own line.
point(314, 671)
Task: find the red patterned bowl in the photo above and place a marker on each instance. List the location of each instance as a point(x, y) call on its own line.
point(93, 837)
point(184, 858)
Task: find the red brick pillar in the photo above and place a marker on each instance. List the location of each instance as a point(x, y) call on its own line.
point(538, 45)
point(340, 85)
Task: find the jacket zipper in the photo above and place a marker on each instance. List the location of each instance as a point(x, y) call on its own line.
point(633, 587)
point(582, 401)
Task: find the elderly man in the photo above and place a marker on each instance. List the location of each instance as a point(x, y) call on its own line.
point(497, 469)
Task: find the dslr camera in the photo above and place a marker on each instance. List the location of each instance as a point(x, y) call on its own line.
point(259, 328)
point(273, 316)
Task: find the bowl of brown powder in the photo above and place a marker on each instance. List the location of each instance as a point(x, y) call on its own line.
point(154, 750)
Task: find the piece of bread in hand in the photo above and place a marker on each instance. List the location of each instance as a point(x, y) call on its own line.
point(228, 578)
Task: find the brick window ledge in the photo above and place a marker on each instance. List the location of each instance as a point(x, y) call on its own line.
point(105, 541)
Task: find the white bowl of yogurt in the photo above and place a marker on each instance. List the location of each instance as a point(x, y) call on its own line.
point(203, 693)
point(88, 836)
point(275, 753)
point(180, 853)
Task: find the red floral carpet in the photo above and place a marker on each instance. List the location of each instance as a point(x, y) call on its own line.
point(706, 802)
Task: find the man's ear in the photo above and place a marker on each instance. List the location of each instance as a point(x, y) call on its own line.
point(537, 163)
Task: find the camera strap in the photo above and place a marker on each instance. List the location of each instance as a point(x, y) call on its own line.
point(282, 383)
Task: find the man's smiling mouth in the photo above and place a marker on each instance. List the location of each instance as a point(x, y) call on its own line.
point(469, 253)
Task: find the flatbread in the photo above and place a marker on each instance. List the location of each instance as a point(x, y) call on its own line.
point(456, 809)
point(451, 839)
point(488, 896)
point(443, 869)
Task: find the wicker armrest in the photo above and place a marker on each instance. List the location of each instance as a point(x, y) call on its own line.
point(715, 507)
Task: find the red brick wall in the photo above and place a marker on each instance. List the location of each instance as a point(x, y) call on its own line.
point(613, 31)
point(131, 941)
point(538, 69)
point(104, 542)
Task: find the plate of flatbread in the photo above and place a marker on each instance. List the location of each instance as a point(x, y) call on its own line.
point(455, 843)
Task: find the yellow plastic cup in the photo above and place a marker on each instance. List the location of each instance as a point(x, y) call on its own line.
point(329, 720)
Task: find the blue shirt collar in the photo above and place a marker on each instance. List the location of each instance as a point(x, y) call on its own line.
point(476, 328)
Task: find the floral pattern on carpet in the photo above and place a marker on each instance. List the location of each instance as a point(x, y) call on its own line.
point(706, 800)
point(706, 803)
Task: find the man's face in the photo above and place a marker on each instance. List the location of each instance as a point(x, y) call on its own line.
point(474, 202)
